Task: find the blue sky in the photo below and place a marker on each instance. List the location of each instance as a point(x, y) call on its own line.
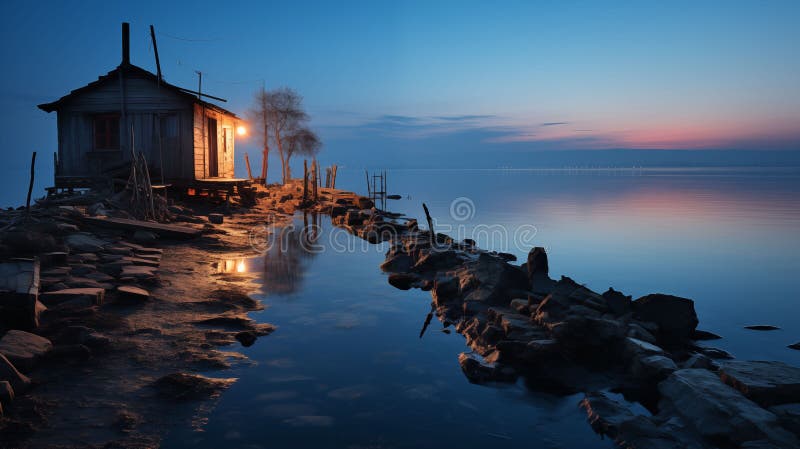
point(440, 78)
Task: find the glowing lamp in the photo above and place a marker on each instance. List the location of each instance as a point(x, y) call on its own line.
point(241, 130)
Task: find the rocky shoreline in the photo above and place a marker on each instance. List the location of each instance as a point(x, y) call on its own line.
point(126, 333)
point(126, 327)
point(562, 338)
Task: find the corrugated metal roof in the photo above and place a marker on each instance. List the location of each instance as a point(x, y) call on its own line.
point(130, 69)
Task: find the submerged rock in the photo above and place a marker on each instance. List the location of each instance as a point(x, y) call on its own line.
point(402, 281)
point(794, 346)
point(767, 383)
point(191, 386)
point(604, 414)
point(762, 327)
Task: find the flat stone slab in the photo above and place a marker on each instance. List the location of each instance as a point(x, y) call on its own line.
point(24, 349)
point(141, 261)
point(768, 383)
point(138, 272)
point(133, 293)
point(75, 296)
point(84, 243)
point(139, 249)
point(9, 373)
point(719, 412)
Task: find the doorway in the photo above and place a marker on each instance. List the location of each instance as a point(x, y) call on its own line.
point(213, 149)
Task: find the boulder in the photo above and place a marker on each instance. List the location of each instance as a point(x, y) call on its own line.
point(605, 414)
point(718, 412)
point(762, 327)
point(653, 368)
point(24, 349)
point(675, 317)
point(767, 383)
point(537, 263)
point(704, 335)
point(8, 372)
point(618, 303)
point(699, 361)
point(215, 218)
point(437, 260)
point(84, 243)
point(795, 346)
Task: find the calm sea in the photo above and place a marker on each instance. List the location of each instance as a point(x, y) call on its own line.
point(347, 367)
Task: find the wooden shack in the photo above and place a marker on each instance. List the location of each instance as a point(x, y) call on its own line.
point(183, 137)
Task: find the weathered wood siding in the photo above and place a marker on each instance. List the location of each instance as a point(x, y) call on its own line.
point(146, 109)
point(226, 129)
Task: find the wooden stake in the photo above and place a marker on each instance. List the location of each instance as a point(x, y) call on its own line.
point(30, 184)
point(247, 162)
point(430, 224)
point(335, 170)
point(305, 180)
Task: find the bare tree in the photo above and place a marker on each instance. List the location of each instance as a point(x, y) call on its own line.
point(301, 141)
point(286, 114)
point(281, 119)
point(259, 116)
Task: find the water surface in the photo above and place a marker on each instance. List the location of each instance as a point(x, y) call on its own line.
point(346, 367)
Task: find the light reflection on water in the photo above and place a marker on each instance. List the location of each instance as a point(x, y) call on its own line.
point(346, 367)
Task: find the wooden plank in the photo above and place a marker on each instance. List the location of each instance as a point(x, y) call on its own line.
point(163, 229)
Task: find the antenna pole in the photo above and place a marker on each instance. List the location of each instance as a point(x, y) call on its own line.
point(155, 50)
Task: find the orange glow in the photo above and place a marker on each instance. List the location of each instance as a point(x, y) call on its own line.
point(241, 130)
point(240, 268)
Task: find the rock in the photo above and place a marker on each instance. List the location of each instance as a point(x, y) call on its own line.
point(436, 260)
point(699, 361)
point(6, 392)
point(762, 327)
point(618, 303)
point(191, 386)
point(718, 412)
point(480, 371)
point(402, 281)
point(605, 415)
point(399, 262)
point(144, 236)
point(794, 346)
point(537, 263)
point(675, 317)
point(640, 333)
point(139, 272)
point(789, 416)
point(520, 305)
point(246, 338)
point(634, 348)
point(24, 349)
point(716, 353)
point(698, 335)
point(8, 372)
point(132, 294)
point(215, 218)
point(71, 352)
point(73, 297)
point(653, 367)
point(53, 259)
point(444, 289)
point(84, 243)
point(767, 383)
point(642, 433)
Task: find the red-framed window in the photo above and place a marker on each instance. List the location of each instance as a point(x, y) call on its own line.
point(106, 132)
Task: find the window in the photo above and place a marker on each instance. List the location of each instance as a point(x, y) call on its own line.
point(106, 132)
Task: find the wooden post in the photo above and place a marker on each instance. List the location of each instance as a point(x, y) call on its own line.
point(247, 163)
point(305, 180)
point(366, 175)
point(315, 164)
point(335, 170)
point(430, 224)
point(327, 177)
point(30, 184)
